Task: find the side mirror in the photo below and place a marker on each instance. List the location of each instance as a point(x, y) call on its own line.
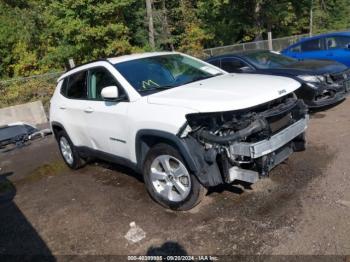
point(110, 93)
point(245, 69)
point(347, 46)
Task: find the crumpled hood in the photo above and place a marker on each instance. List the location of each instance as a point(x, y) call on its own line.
point(227, 92)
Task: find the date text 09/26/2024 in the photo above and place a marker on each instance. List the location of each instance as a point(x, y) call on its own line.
point(173, 258)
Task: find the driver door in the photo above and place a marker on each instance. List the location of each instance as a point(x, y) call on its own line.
point(106, 121)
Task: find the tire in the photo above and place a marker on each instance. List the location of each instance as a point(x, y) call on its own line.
point(175, 188)
point(74, 161)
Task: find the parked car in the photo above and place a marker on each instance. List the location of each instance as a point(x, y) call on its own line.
point(334, 46)
point(323, 83)
point(16, 133)
point(19, 133)
point(183, 123)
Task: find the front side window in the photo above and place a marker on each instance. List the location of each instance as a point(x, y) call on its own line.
point(100, 78)
point(77, 87)
point(337, 42)
point(312, 45)
point(232, 65)
point(216, 62)
point(265, 60)
point(162, 72)
point(296, 49)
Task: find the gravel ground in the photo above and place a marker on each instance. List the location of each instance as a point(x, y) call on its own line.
point(302, 209)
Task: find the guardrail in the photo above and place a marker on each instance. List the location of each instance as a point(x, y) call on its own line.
point(22, 90)
point(277, 44)
point(55, 74)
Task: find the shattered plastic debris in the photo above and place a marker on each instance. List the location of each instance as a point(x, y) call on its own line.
point(135, 233)
point(344, 203)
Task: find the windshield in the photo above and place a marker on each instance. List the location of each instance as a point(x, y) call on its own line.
point(265, 60)
point(158, 73)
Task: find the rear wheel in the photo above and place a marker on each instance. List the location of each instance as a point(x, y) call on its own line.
point(168, 180)
point(68, 151)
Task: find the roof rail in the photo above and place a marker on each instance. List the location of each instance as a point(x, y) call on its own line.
point(93, 61)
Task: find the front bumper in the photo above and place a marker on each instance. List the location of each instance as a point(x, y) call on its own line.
point(328, 95)
point(269, 152)
point(336, 98)
point(267, 146)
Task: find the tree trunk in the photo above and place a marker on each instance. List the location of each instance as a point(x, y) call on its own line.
point(150, 24)
point(269, 37)
point(311, 18)
point(258, 21)
point(166, 25)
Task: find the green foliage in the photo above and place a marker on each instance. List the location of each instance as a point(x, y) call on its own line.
point(38, 36)
point(30, 90)
point(331, 15)
point(191, 35)
point(19, 35)
point(87, 29)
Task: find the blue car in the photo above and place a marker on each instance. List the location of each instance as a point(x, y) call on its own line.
point(333, 46)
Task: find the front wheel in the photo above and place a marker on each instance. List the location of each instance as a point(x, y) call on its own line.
point(168, 180)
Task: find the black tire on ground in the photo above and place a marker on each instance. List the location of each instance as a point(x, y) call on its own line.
point(77, 162)
point(197, 190)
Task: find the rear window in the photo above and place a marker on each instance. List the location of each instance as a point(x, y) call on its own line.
point(77, 87)
point(64, 87)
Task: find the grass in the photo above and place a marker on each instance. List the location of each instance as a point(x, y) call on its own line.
point(46, 170)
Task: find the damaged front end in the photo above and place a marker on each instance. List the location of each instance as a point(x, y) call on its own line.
point(245, 144)
point(330, 90)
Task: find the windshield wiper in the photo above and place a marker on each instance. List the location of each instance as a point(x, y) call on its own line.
point(202, 78)
point(157, 88)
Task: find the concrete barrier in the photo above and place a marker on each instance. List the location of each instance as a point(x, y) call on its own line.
point(32, 113)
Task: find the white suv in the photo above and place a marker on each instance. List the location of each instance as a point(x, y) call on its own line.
point(185, 124)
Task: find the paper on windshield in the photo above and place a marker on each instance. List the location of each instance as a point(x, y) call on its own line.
point(210, 70)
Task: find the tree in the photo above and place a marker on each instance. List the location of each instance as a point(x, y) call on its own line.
point(19, 38)
point(331, 15)
point(190, 33)
point(163, 30)
point(38, 36)
point(87, 29)
point(150, 23)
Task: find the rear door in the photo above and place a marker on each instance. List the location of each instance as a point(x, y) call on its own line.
point(106, 121)
point(71, 107)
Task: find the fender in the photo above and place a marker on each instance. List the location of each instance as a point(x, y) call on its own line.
point(190, 150)
point(162, 136)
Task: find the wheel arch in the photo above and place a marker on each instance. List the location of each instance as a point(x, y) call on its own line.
point(145, 139)
point(56, 128)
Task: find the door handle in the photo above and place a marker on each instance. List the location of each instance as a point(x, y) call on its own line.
point(88, 110)
point(63, 107)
